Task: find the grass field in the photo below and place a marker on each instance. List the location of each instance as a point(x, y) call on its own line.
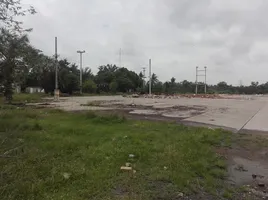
point(23, 98)
point(51, 154)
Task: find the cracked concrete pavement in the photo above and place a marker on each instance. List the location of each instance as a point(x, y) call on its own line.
point(241, 113)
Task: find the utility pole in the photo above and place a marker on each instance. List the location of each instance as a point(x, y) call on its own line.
point(120, 58)
point(150, 77)
point(196, 80)
point(143, 69)
point(56, 92)
point(81, 81)
point(205, 79)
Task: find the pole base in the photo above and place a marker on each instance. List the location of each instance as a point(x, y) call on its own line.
point(56, 95)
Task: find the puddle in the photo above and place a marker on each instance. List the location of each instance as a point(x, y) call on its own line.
point(144, 112)
point(242, 170)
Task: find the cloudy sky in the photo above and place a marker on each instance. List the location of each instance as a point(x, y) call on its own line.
point(230, 37)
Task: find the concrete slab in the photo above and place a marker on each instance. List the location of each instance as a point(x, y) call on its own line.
point(247, 113)
point(231, 118)
point(259, 122)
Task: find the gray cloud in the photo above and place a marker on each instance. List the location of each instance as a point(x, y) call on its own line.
point(228, 36)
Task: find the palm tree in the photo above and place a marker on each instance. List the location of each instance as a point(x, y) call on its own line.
point(173, 80)
point(154, 79)
point(87, 74)
point(141, 75)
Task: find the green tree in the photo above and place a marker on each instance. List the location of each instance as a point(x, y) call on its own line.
point(10, 10)
point(154, 79)
point(89, 86)
point(124, 84)
point(72, 83)
point(113, 86)
point(222, 87)
point(105, 76)
point(68, 77)
point(127, 80)
point(158, 88)
point(173, 81)
point(12, 59)
point(141, 75)
point(13, 43)
point(87, 74)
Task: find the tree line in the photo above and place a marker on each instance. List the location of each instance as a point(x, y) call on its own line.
point(23, 65)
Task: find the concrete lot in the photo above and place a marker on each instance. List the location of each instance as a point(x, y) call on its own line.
point(242, 113)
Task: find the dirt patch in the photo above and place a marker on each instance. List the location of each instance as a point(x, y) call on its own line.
point(180, 112)
point(245, 171)
point(245, 168)
point(177, 96)
point(101, 103)
point(163, 189)
point(120, 192)
point(248, 165)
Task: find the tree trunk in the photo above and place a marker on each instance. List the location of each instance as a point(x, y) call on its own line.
point(8, 73)
point(8, 92)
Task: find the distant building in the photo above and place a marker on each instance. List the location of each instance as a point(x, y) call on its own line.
point(34, 90)
point(17, 89)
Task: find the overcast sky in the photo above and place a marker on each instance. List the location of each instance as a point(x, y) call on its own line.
point(230, 37)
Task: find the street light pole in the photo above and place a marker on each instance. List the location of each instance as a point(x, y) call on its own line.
point(205, 79)
point(150, 76)
point(56, 92)
point(81, 63)
point(196, 80)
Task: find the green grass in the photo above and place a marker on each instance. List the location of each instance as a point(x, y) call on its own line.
point(51, 154)
point(25, 98)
